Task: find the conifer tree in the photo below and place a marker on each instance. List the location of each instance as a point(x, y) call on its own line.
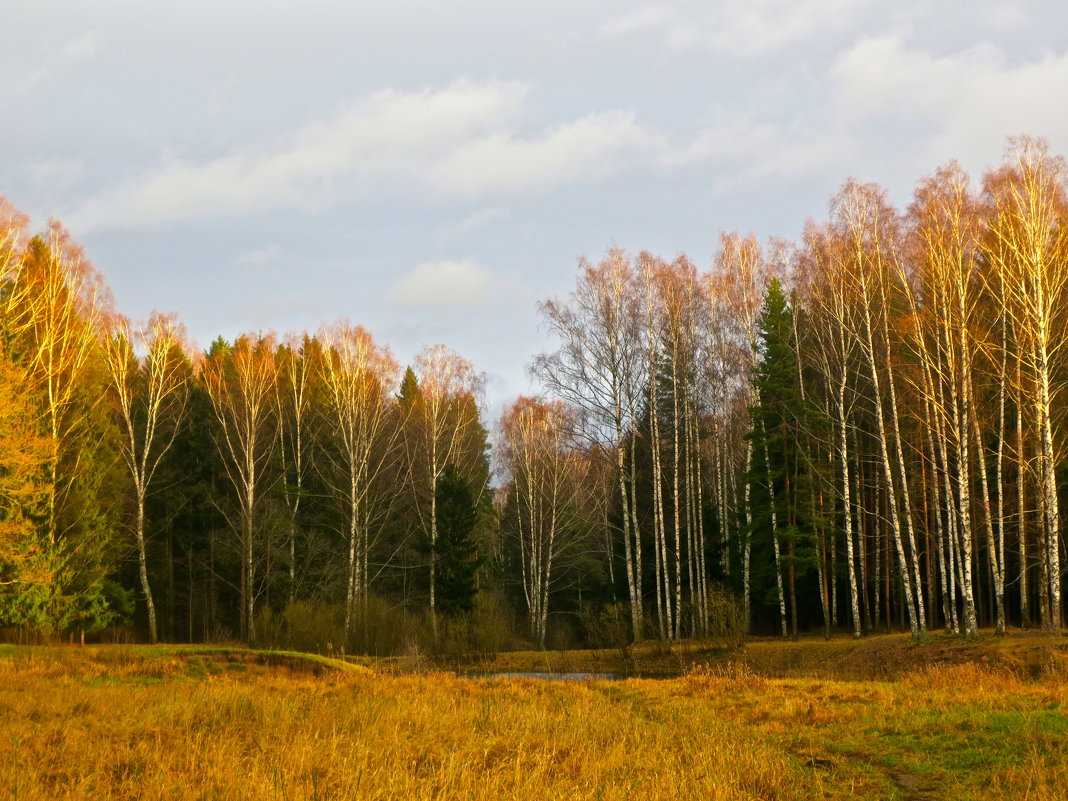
point(778, 420)
point(455, 549)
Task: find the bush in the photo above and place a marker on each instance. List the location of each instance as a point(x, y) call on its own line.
point(482, 634)
point(608, 627)
point(380, 629)
point(726, 617)
point(309, 626)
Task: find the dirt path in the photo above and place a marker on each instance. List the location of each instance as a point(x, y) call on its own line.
point(912, 786)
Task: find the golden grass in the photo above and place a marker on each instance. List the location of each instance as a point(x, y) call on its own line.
point(125, 724)
point(873, 658)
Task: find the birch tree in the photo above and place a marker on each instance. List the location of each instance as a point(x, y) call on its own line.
point(358, 377)
point(867, 224)
point(539, 459)
point(740, 274)
point(1028, 245)
point(298, 362)
point(240, 380)
point(825, 287)
point(150, 371)
point(52, 305)
point(442, 423)
point(600, 369)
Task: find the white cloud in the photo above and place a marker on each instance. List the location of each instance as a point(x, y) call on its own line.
point(590, 147)
point(445, 284)
point(389, 133)
point(737, 27)
point(967, 101)
point(753, 27)
point(472, 139)
point(457, 140)
point(747, 151)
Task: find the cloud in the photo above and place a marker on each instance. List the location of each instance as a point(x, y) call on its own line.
point(387, 134)
point(965, 102)
point(893, 110)
point(473, 140)
point(457, 140)
point(590, 147)
point(737, 27)
point(445, 284)
point(751, 151)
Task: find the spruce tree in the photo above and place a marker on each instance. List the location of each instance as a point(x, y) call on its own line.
point(780, 472)
point(457, 554)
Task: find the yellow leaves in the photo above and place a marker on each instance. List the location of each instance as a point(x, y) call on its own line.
point(23, 456)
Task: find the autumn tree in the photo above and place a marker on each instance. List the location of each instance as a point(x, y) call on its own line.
point(298, 359)
point(739, 275)
point(358, 376)
point(442, 427)
point(825, 286)
point(1027, 229)
point(150, 371)
point(240, 379)
point(539, 460)
point(26, 570)
point(52, 304)
point(600, 368)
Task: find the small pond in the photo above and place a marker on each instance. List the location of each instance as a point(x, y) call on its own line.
point(548, 676)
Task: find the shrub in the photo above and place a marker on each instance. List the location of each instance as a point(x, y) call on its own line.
point(726, 617)
point(608, 627)
point(381, 629)
point(482, 634)
point(309, 626)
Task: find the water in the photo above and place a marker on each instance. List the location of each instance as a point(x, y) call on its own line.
point(549, 676)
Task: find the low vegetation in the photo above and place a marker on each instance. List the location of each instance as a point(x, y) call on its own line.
point(117, 722)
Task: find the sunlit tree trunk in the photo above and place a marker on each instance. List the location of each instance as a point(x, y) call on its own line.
point(358, 376)
point(151, 393)
point(599, 368)
point(240, 380)
point(1028, 246)
point(297, 365)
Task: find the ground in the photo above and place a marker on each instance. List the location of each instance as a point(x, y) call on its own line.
point(946, 719)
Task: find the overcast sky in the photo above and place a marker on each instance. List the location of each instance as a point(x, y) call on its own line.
point(432, 170)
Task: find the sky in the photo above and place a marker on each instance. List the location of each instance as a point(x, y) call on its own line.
point(432, 171)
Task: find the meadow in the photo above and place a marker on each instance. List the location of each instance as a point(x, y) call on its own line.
point(133, 722)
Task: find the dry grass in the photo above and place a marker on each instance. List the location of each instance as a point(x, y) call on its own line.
point(873, 658)
point(124, 723)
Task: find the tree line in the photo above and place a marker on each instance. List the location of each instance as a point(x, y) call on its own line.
point(861, 430)
point(259, 473)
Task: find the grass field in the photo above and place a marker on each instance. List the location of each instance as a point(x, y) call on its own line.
point(126, 722)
